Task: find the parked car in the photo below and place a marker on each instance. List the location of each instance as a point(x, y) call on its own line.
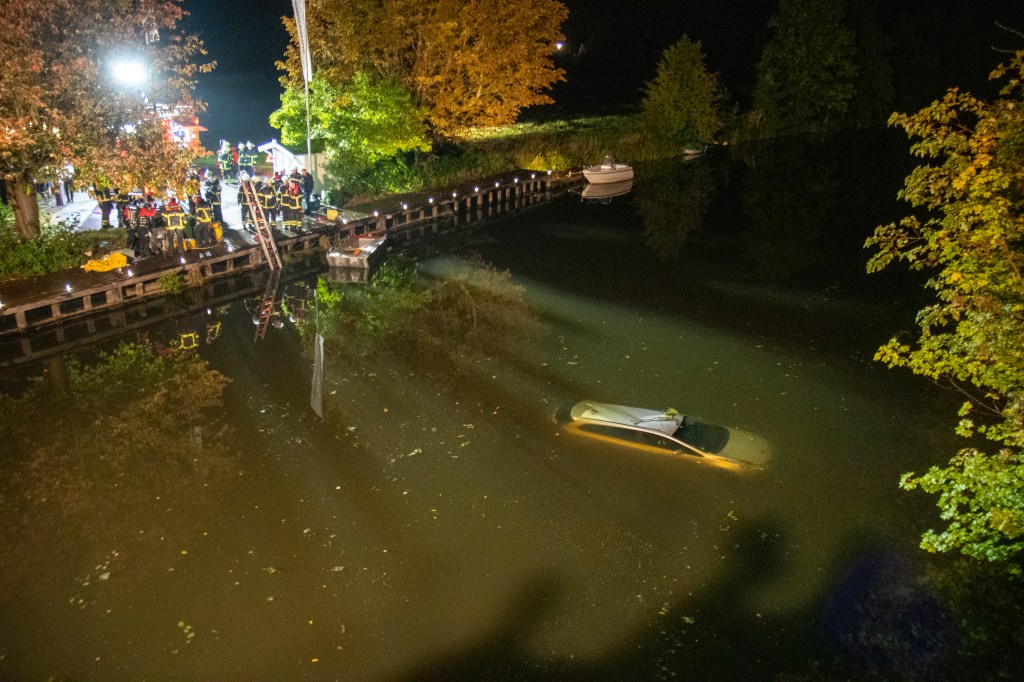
point(667, 432)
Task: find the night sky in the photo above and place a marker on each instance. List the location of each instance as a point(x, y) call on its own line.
point(612, 48)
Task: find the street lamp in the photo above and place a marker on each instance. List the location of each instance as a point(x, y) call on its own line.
point(129, 72)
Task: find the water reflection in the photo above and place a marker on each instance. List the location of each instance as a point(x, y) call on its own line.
point(672, 201)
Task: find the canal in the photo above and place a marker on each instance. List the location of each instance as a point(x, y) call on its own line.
point(435, 523)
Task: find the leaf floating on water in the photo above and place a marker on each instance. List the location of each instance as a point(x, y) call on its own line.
point(104, 576)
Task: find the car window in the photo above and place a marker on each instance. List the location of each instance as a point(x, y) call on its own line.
point(609, 431)
point(703, 435)
point(656, 441)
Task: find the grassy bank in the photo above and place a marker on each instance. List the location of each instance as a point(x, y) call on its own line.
point(58, 247)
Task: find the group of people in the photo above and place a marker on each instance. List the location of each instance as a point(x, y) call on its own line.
point(276, 196)
point(234, 162)
point(155, 227)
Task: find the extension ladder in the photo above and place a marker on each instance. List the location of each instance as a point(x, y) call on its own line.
point(263, 234)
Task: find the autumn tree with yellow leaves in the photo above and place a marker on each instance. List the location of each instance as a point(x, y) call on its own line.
point(468, 63)
point(61, 106)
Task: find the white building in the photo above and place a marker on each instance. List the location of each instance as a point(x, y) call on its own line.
point(286, 160)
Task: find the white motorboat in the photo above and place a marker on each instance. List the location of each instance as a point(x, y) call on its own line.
point(605, 191)
point(608, 171)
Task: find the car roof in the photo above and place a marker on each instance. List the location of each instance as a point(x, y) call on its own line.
point(665, 421)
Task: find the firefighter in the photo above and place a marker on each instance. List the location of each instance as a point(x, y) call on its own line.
point(253, 155)
point(291, 205)
point(204, 222)
point(245, 160)
point(174, 217)
point(130, 220)
point(192, 190)
point(225, 160)
point(243, 200)
point(120, 199)
point(267, 198)
point(147, 227)
point(213, 196)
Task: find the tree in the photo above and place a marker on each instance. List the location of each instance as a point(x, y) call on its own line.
point(970, 237)
point(467, 63)
point(59, 106)
point(682, 105)
point(371, 120)
point(806, 75)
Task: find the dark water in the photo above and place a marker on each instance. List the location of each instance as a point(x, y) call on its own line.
point(437, 525)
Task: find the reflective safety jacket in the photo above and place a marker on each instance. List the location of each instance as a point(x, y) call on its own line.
point(291, 201)
point(174, 217)
point(203, 215)
point(267, 197)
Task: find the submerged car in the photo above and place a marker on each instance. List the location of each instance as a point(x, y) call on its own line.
point(667, 432)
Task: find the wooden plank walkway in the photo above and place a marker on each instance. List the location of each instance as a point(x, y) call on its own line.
point(30, 305)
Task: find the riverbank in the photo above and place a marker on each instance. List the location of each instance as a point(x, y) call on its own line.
point(48, 302)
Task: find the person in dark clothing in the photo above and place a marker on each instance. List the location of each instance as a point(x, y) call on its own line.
point(204, 222)
point(243, 201)
point(148, 227)
point(102, 194)
point(307, 190)
point(174, 217)
point(69, 189)
point(213, 197)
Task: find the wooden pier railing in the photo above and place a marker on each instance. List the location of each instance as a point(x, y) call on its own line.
point(99, 304)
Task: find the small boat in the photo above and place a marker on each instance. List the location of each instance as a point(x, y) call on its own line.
point(358, 252)
point(608, 171)
point(603, 192)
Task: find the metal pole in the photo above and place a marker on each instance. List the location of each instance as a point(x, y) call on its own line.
point(299, 7)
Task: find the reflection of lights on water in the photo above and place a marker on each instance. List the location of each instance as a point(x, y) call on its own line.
point(430, 199)
point(405, 207)
point(515, 180)
point(67, 287)
point(182, 260)
point(497, 183)
point(130, 272)
point(476, 189)
point(533, 176)
point(376, 214)
point(454, 194)
point(344, 221)
point(549, 171)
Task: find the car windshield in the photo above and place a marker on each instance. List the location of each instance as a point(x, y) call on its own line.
point(702, 435)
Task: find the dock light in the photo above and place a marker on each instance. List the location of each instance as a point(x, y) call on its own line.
point(182, 260)
point(430, 199)
point(549, 171)
point(130, 272)
point(405, 207)
point(67, 287)
point(1, 305)
point(230, 248)
point(533, 176)
point(344, 221)
point(515, 180)
point(376, 214)
point(559, 46)
point(476, 190)
point(454, 194)
point(497, 184)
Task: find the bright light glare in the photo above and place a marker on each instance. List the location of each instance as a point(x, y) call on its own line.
point(129, 72)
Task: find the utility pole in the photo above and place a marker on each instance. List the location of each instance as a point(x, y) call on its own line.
point(299, 7)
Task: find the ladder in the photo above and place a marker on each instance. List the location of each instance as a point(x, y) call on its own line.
point(267, 304)
point(263, 234)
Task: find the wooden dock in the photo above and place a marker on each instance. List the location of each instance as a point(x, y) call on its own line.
point(98, 303)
